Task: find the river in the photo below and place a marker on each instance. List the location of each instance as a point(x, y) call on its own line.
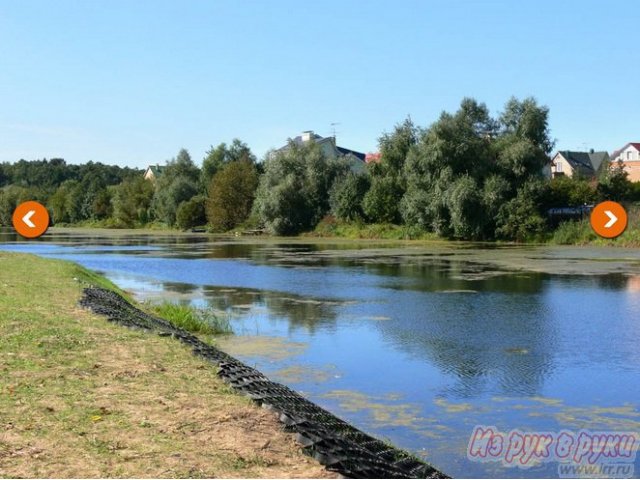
point(415, 343)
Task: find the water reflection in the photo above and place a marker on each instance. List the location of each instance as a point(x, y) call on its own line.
point(298, 312)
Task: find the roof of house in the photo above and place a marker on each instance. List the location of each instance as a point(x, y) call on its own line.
point(585, 162)
point(597, 158)
point(156, 169)
point(319, 139)
point(299, 141)
point(635, 145)
point(373, 157)
point(346, 151)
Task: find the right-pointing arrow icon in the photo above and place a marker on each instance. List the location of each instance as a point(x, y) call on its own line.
point(612, 219)
point(27, 219)
point(608, 219)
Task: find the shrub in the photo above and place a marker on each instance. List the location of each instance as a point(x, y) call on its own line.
point(191, 213)
point(193, 319)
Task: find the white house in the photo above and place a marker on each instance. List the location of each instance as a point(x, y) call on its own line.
point(356, 160)
point(629, 155)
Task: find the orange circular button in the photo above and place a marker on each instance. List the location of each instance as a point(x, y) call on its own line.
point(608, 219)
point(30, 219)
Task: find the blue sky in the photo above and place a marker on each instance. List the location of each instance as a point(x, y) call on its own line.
point(132, 82)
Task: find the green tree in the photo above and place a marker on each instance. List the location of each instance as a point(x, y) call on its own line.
point(101, 206)
point(466, 209)
point(614, 183)
point(446, 170)
point(388, 183)
point(380, 203)
point(191, 213)
point(58, 204)
point(466, 164)
point(12, 196)
point(231, 195)
point(178, 183)
point(132, 201)
point(570, 192)
point(520, 218)
point(526, 119)
point(218, 157)
point(347, 195)
point(293, 194)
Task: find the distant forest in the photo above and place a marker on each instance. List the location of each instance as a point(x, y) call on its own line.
point(467, 176)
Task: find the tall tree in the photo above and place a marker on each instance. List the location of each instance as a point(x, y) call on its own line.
point(217, 157)
point(231, 195)
point(178, 183)
point(388, 181)
point(293, 194)
point(132, 201)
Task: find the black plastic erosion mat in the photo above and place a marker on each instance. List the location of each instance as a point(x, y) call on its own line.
point(336, 444)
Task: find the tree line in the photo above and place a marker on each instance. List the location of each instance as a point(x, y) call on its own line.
point(467, 176)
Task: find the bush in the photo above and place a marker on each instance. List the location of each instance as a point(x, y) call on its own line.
point(191, 213)
point(193, 319)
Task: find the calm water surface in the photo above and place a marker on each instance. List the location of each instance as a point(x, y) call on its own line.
point(416, 345)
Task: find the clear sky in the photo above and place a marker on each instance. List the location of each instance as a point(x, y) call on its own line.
point(131, 82)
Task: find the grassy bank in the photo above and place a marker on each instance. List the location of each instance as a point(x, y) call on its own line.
point(80, 397)
point(567, 233)
point(330, 227)
point(581, 233)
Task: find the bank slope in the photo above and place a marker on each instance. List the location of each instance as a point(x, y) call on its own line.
point(80, 397)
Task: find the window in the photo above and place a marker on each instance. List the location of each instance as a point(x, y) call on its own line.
point(629, 155)
point(559, 167)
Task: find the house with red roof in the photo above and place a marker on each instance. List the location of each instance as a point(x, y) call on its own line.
point(629, 155)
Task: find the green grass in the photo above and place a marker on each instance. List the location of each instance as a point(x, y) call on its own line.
point(193, 319)
point(330, 227)
point(81, 397)
point(581, 233)
point(573, 233)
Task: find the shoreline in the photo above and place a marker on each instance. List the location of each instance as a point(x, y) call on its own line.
point(86, 398)
point(390, 236)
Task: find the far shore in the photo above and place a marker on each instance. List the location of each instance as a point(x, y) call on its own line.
point(323, 237)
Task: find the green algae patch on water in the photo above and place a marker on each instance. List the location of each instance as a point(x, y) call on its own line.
point(620, 418)
point(452, 407)
point(380, 408)
point(304, 374)
point(552, 402)
point(270, 348)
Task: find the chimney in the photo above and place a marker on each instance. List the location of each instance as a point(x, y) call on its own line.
point(307, 135)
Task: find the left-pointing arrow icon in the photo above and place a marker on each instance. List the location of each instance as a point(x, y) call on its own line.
point(30, 219)
point(27, 218)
